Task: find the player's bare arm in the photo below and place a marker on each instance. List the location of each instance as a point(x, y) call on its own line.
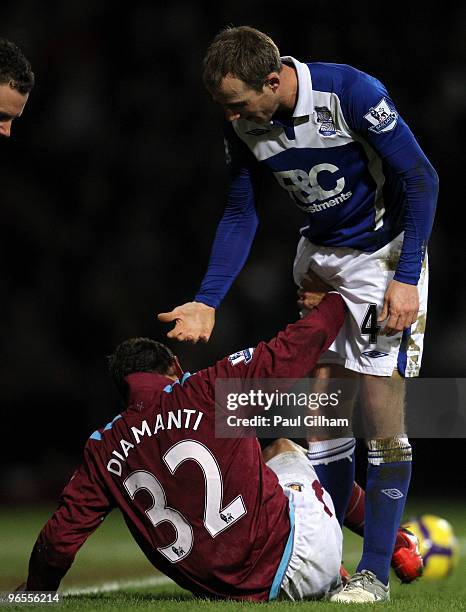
point(401, 307)
point(194, 322)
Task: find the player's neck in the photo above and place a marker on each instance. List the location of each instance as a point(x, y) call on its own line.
point(288, 89)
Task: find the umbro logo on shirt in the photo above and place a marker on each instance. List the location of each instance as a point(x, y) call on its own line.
point(258, 131)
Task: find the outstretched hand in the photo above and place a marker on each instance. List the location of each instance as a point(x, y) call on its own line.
point(312, 291)
point(400, 307)
point(194, 322)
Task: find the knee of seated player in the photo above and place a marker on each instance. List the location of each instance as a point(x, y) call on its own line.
point(323, 371)
point(325, 376)
point(279, 446)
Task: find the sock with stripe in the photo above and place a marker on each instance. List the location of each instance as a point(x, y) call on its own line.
point(388, 476)
point(333, 461)
point(354, 517)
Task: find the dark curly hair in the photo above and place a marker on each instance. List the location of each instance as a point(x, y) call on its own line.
point(15, 68)
point(138, 355)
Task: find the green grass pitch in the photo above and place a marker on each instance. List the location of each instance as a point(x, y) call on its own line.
point(110, 573)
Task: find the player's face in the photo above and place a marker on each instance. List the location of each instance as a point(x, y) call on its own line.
point(12, 104)
point(242, 102)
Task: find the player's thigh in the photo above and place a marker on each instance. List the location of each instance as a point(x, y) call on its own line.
point(362, 279)
point(313, 569)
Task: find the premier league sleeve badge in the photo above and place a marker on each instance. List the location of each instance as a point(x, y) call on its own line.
point(382, 117)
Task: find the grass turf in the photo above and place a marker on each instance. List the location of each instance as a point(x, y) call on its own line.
point(110, 572)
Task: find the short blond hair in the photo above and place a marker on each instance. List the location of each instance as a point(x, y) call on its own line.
point(243, 52)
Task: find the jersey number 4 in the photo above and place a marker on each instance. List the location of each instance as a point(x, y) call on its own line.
point(216, 517)
point(369, 325)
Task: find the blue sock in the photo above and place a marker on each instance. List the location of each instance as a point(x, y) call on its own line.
point(386, 489)
point(333, 461)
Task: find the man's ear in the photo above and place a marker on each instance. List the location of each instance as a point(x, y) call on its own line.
point(175, 368)
point(272, 80)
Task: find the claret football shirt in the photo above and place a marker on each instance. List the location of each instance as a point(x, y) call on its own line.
point(207, 512)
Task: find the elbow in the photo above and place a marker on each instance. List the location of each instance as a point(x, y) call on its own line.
point(424, 180)
point(433, 178)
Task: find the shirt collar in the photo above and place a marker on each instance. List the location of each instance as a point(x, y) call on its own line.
point(304, 104)
point(143, 385)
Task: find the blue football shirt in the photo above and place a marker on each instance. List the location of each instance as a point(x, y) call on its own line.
point(347, 160)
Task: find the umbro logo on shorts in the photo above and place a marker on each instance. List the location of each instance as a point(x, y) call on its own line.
point(374, 354)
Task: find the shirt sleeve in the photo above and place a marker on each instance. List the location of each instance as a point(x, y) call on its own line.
point(371, 113)
point(293, 353)
point(83, 505)
point(237, 228)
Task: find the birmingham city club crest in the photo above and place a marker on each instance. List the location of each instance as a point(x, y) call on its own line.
point(324, 117)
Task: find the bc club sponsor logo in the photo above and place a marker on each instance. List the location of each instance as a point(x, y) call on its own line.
point(382, 117)
point(240, 356)
point(305, 187)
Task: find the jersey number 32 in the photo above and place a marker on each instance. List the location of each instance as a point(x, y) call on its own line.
point(216, 517)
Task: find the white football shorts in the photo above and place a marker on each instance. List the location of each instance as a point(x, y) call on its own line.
point(362, 279)
point(314, 567)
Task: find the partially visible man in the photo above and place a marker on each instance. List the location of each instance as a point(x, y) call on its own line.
point(333, 139)
point(207, 512)
point(16, 83)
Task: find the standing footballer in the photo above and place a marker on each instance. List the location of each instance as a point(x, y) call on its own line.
point(334, 140)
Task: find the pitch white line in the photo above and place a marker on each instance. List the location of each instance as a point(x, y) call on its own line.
point(116, 585)
point(462, 545)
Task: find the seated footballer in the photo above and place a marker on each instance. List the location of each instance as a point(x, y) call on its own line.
point(207, 512)
point(220, 517)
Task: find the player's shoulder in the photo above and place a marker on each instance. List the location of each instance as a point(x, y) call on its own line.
point(192, 388)
point(340, 79)
point(99, 434)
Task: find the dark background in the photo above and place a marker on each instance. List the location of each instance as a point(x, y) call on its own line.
point(113, 183)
